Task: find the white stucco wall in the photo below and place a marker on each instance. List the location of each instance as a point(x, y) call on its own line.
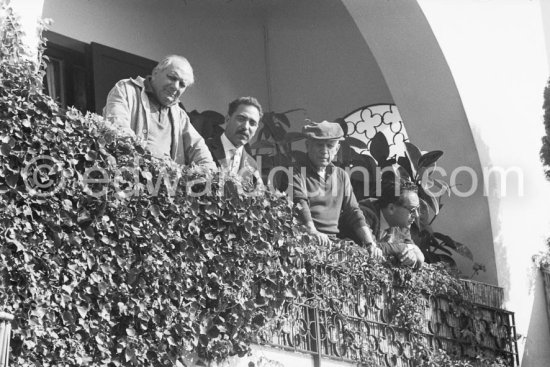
point(423, 88)
point(496, 51)
point(223, 42)
point(319, 62)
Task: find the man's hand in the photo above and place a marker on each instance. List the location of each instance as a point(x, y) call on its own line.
point(366, 238)
point(375, 251)
point(411, 256)
point(322, 239)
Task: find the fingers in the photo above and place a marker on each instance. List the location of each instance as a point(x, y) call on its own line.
point(376, 252)
point(408, 257)
point(323, 239)
point(408, 261)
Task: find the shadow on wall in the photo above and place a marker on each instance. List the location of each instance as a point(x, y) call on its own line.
point(501, 254)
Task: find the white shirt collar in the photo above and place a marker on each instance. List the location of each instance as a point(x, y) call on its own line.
point(232, 154)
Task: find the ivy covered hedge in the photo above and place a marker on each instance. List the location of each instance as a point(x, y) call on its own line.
point(105, 263)
point(106, 273)
point(109, 257)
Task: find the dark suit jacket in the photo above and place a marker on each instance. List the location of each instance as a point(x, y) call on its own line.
point(248, 169)
point(371, 211)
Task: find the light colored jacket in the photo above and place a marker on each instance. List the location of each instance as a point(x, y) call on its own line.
point(128, 107)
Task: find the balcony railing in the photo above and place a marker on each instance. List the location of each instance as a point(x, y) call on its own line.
point(5, 333)
point(365, 330)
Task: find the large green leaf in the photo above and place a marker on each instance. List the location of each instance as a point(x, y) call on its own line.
point(429, 158)
point(447, 259)
point(413, 153)
point(432, 202)
point(281, 118)
point(292, 110)
point(457, 246)
point(260, 144)
point(213, 117)
point(440, 186)
point(405, 164)
point(379, 148)
point(365, 161)
point(354, 142)
point(437, 246)
point(274, 125)
point(293, 136)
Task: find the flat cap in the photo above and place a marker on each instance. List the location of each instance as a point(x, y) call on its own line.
point(324, 130)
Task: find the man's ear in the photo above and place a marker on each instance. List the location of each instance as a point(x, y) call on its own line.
point(337, 148)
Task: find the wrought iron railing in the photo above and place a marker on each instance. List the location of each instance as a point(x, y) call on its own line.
point(5, 335)
point(365, 330)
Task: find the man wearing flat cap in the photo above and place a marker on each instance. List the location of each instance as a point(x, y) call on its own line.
point(323, 192)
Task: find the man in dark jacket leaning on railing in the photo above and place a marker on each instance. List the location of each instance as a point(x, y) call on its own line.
point(390, 217)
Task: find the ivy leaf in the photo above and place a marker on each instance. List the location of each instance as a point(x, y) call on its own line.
point(155, 210)
point(5, 149)
point(129, 354)
point(68, 318)
point(82, 311)
point(12, 179)
point(91, 155)
point(4, 189)
point(89, 232)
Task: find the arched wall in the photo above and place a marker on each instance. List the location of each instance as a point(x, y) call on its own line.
point(497, 54)
point(423, 88)
point(468, 75)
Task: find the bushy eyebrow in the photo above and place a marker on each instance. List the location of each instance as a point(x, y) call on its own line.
point(176, 75)
point(247, 118)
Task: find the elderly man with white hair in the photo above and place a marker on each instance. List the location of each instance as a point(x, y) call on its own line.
point(148, 107)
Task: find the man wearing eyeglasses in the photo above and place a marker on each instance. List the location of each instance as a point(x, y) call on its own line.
point(229, 149)
point(390, 217)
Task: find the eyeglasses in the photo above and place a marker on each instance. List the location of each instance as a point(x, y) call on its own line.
point(413, 210)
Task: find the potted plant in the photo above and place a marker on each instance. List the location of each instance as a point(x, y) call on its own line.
point(416, 167)
point(274, 137)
